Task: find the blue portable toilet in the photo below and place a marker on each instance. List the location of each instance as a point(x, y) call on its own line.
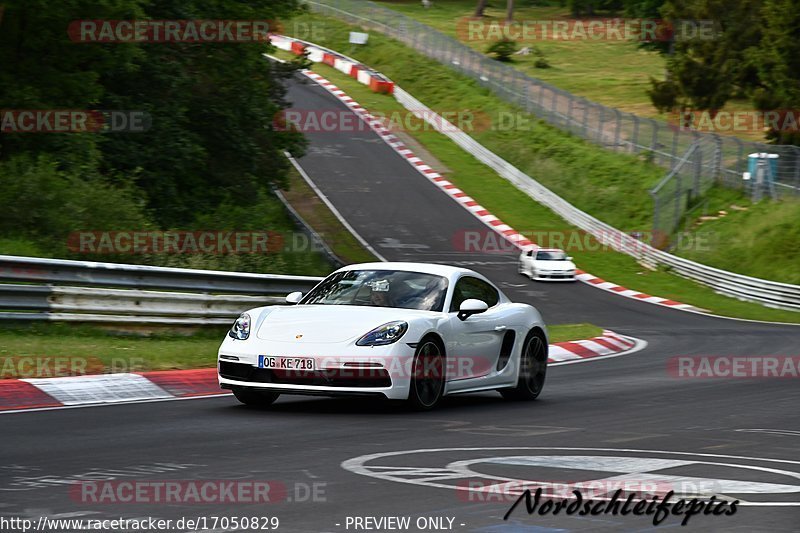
point(761, 175)
point(770, 159)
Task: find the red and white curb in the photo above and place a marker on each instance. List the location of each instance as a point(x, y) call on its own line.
point(469, 203)
point(39, 394)
point(609, 344)
point(76, 391)
point(622, 291)
point(376, 81)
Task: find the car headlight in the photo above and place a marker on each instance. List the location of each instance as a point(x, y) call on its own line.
point(385, 334)
point(241, 328)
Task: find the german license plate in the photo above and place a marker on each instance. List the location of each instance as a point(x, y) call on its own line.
point(286, 363)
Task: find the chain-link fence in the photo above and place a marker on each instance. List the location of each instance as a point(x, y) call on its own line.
point(682, 188)
point(722, 159)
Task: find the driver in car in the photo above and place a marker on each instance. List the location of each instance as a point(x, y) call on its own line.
point(379, 297)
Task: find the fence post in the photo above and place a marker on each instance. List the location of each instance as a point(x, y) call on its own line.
point(656, 212)
point(585, 126)
point(654, 143)
point(618, 128)
point(554, 107)
point(601, 120)
point(570, 108)
point(796, 163)
point(674, 153)
point(540, 102)
point(678, 199)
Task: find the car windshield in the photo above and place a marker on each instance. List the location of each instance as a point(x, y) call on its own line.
point(551, 256)
point(380, 288)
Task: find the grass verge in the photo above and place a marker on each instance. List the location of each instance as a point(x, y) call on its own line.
point(53, 349)
point(317, 215)
point(99, 351)
point(572, 332)
point(514, 207)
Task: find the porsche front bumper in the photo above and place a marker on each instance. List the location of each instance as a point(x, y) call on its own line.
point(365, 370)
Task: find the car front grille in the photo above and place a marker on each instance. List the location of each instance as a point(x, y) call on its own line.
point(345, 377)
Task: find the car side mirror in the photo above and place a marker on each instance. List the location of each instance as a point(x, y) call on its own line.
point(569, 258)
point(471, 307)
point(294, 297)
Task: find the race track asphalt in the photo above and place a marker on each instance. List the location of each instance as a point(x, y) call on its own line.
point(629, 410)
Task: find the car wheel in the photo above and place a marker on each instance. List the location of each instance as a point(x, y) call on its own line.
point(255, 398)
point(427, 376)
point(533, 369)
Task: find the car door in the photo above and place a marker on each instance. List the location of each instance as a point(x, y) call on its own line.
point(474, 344)
point(527, 260)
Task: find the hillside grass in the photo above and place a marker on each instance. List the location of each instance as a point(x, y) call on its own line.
point(763, 240)
point(549, 161)
point(610, 72)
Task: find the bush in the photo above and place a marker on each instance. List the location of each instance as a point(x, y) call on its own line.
point(503, 50)
point(40, 202)
point(663, 94)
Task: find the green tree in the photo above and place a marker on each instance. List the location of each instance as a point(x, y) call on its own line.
point(776, 60)
point(43, 69)
point(211, 104)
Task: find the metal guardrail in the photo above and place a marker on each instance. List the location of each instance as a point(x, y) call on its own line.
point(610, 128)
point(34, 289)
point(770, 293)
point(746, 288)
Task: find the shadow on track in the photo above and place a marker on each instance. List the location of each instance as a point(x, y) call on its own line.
point(298, 405)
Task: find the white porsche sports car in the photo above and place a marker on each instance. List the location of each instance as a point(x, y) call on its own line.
point(403, 331)
point(548, 264)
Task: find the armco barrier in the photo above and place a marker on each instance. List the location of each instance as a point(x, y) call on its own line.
point(119, 293)
point(771, 293)
point(608, 127)
point(319, 54)
point(766, 292)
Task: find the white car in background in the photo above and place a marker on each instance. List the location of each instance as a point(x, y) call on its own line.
point(546, 264)
point(402, 331)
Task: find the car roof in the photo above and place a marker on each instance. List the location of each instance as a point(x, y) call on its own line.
point(425, 268)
